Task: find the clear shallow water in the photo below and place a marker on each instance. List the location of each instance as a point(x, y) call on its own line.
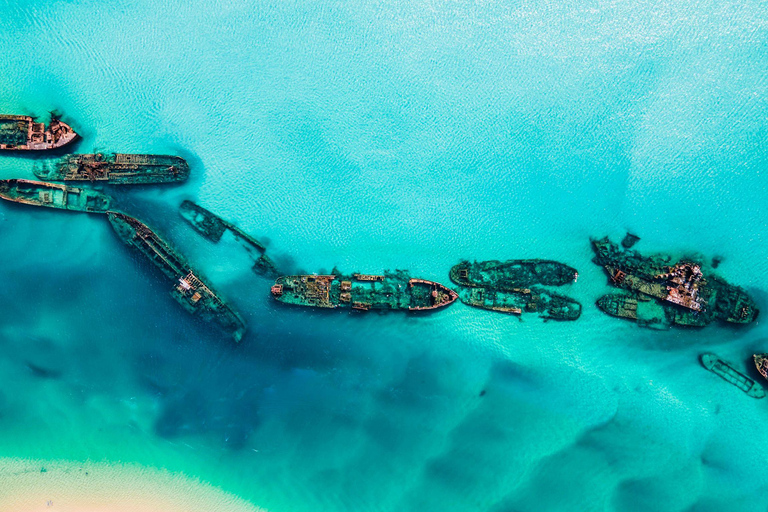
point(394, 135)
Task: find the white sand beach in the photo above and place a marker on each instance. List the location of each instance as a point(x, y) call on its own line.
point(65, 486)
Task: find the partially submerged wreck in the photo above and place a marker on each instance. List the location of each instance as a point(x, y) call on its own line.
point(643, 310)
point(691, 295)
point(761, 363)
point(213, 227)
point(548, 305)
point(512, 274)
point(54, 195)
point(189, 290)
point(363, 292)
point(22, 133)
point(514, 287)
point(116, 169)
point(720, 367)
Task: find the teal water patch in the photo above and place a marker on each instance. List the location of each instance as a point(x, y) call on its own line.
point(374, 136)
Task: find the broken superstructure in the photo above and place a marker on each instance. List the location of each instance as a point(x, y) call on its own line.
point(22, 133)
point(363, 292)
point(189, 290)
point(115, 169)
point(688, 294)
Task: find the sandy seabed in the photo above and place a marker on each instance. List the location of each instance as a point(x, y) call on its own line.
point(66, 486)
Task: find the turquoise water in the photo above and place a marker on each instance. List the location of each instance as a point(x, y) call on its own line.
point(373, 135)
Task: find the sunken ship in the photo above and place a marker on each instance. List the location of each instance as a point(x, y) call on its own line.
point(727, 372)
point(363, 292)
point(689, 293)
point(54, 195)
point(213, 227)
point(515, 287)
point(189, 290)
point(549, 305)
point(512, 274)
point(22, 133)
point(116, 169)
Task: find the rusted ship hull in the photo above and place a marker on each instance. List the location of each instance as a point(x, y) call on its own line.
point(189, 290)
point(512, 274)
point(548, 305)
point(53, 195)
point(761, 363)
point(386, 292)
point(213, 227)
point(116, 169)
point(22, 133)
point(728, 373)
point(690, 293)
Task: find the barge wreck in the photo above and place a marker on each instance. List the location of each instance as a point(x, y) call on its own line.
point(727, 372)
point(363, 292)
point(54, 195)
point(116, 169)
point(22, 133)
point(189, 290)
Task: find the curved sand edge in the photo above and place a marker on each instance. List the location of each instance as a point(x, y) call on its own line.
point(66, 486)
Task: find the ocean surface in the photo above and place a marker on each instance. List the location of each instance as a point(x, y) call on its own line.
point(379, 135)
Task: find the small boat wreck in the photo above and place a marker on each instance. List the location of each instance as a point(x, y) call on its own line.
point(727, 372)
point(22, 133)
point(54, 195)
point(116, 169)
point(189, 290)
point(363, 292)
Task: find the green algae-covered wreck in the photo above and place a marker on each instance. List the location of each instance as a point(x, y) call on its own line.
point(549, 305)
point(514, 287)
point(115, 169)
point(690, 294)
point(189, 290)
point(54, 195)
point(363, 292)
point(512, 274)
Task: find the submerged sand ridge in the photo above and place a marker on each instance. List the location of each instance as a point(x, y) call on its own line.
point(69, 486)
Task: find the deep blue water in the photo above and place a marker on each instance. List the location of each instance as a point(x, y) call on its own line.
point(372, 136)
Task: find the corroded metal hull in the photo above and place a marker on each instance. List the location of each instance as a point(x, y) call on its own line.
point(512, 274)
point(548, 305)
point(690, 293)
point(761, 363)
point(727, 372)
point(189, 289)
point(213, 227)
point(115, 169)
point(363, 292)
point(22, 133)
point(54, 195)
